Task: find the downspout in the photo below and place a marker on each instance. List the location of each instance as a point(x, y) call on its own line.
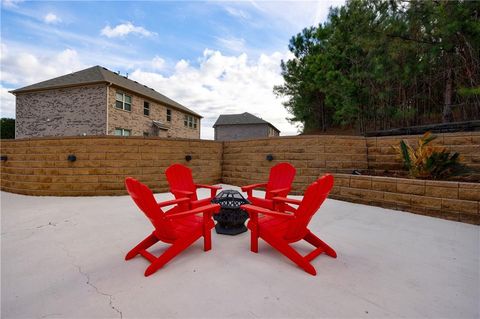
point(108, 106)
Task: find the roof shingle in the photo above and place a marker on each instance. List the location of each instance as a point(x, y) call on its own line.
point(98, 74)
point(238, 119)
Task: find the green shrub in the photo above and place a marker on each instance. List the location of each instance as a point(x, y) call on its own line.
point(7, 128)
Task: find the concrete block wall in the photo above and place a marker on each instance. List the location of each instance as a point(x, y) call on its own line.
point(449, 200)
point(40, 166)
point(244, 162)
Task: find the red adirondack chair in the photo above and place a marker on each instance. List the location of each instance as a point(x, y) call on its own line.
point(279, 184)
point(181, 183)
point(281, 228)
point(176, 227)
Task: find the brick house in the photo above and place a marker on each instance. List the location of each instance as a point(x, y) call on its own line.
point(242, 126)
point(97, 101)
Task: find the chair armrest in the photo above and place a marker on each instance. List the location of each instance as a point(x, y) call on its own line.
point(279, 190)
point(173, 202)
point(208, 186)
point(213, 189)
point(249, 188)
point(252, 186)
point(256, 209)
point(202, 209)
point(287, 200)
point(180, 192)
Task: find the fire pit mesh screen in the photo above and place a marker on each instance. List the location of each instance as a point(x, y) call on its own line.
point(230, 199)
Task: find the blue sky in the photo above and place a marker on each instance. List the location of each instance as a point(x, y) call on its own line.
point(213, 57)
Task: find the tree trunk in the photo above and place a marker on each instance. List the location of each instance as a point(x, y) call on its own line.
point(320, 110)
point(447, 107)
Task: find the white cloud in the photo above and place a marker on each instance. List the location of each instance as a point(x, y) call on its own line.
point(232, 43)
point(285, 15)
point(124, 29)
point(7, 103)
point(158, 63)
point(51, 18)
point(215, 84)
point(20, 68)
point(64, 36)
point(237, 12)
point(11, 3)
point(225, 85)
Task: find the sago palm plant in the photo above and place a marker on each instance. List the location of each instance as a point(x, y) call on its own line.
point(428, 161)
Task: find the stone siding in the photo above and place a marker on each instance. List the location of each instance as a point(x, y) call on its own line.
point(62, 112)
point(139, 123)
point(449, 200)
point(40, 166)
point(241, 131)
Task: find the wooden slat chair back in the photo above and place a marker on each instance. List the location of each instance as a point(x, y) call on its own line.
point(178, 226)
point(143, 197)
point(281, 177)
point(280, 228)
point(313, 198)
point(180, 177)
point(181, 184)
point(279, 184)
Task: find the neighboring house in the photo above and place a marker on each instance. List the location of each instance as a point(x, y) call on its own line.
point(96, 101)
point(242, 126)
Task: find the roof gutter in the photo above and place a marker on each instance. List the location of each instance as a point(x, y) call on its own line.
point(21, 91)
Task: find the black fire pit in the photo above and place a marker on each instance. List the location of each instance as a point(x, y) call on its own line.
point(231, 218)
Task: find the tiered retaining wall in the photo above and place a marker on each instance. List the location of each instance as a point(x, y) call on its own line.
point(40, 167)
point(450, 200)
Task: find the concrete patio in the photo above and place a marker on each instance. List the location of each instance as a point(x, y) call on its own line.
point(63, 257)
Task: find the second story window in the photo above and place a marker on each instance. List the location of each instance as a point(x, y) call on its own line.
point(190, 121)
point(123, 101)
point(146, 108)
point(169, 115)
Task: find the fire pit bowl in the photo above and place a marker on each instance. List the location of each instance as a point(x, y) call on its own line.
point(231, 218)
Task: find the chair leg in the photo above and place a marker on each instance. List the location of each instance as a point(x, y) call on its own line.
point(254, 240)
point(144, 244)
point(207, 238)
point(207, 231)
point(317, 242)
point(253, 225)
point(290, 253)
point(176, 248)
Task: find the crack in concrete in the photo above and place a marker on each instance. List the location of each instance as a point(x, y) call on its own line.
point(49, 224)
point(88, 282)
point(52, 315)
point(110, 297)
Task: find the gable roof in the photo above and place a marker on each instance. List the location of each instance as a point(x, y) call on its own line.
point(98, 74)
point(238, 119)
